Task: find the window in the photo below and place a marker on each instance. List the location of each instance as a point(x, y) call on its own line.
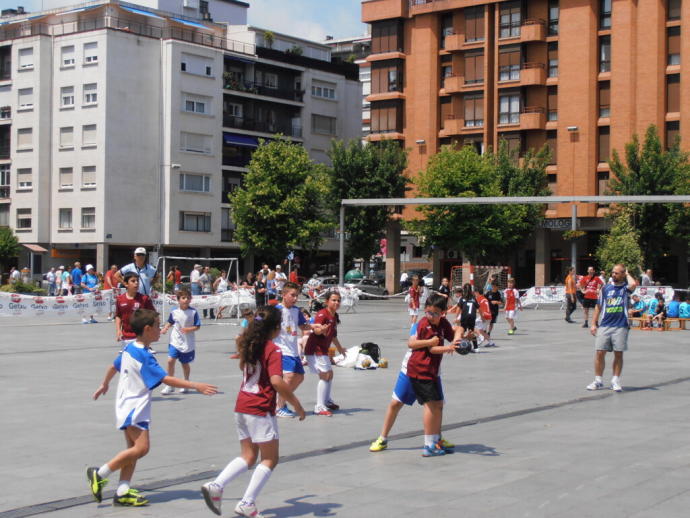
point(67, 137)
point(88, 176)
point(267, 79)
point(196, 104)
point(602, 183)
point(673, 46)
point(446, 71)
point(474, 23)
point(509, 64)
point(322, 90)
point(446, 110)
point(552, 103)
point(386, 36)
point(91, 52)
point(26, 98)
point(4, 185)
point(67, 56)
point(195, 182)
point(474, 67)
point(446, 28)
point(195, 64)
point(673, 9)
point(24, 179)
point(604, 141)
point(227, 225)
point(24, 219)
point(66, 178)
point(5, 215)
point(513, 142)
point(67, 96)
point(672, 133)
point(474, 111)
point(233, 110)
point(509, 109)
point(322, 124)
point(387, 76)
point(605, 14)
point(551, 142)
point(88, 135)
point(673, 93)
point(553, 59)
point(25, 138)
point(605, 54)
point(510, 20)
point(65, 219)
point(195, 221)
point(90, 95)
point(26, 58)
point(195, 143)
point(386, 117)
point(554, 13)
point(88, 217)
point(604, 99)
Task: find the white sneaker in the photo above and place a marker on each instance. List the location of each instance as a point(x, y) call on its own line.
point(184, 390)
point(616, 386)
point(167, 390)
point(595, 385)
point(213, 495)
point(250, 510)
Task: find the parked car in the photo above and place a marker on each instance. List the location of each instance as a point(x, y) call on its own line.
point(368, 287)
point(429, 280)
point(420, 272)
point(326, 282)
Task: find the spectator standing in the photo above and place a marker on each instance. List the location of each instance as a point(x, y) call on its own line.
point(52, 286)
point(178, 279)
point(206, 282)
point(590, 285)
point(570, 294)
point(89, 284)
point(220, 286)
point(58, 280)
point(194, 280)
point(66, 281)
point(281, 279)
point(76, 274)
point(271, 290)
point(145, 271)
point(109, 280)
point(260, 290)
point(647, 279)
point(15, 275)
point(293, 275)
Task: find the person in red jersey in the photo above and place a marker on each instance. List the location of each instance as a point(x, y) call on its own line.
point(423, 368)
point(512, 305)
point(414, 296)
point(125, 305)
point(590, 285)
point(255, 412)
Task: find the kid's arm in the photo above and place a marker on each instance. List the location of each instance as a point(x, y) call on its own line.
point(190, 329)
point(166, 328)
point(118, 328)
point(284, 390)
point(415, 343)
point(340, 348)
point(204, 388)
point(442, 349)
point(106, 381)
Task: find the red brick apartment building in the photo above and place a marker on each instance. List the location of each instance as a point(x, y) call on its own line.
point(579, 75)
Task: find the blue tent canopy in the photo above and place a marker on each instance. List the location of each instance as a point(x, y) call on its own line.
point(141, 12)
point(190, 23)
point(240, 140)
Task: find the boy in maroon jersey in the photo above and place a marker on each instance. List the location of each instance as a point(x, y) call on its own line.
point(125, 305)
point(423, 368)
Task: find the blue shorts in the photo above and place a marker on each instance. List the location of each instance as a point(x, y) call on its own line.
point(292, 364)
point(404, 392)
point(183, 357)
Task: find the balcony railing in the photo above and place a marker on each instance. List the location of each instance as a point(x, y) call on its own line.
point(236, 161)
point(5, 113)
point(4, 151)
point(4, 191)
point(253, 87)
point(289, 130)
point(227, 235)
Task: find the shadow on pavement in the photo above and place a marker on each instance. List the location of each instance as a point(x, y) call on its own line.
point(165, 495)
point(298, 508)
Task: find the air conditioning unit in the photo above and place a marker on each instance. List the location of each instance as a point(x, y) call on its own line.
point(192, 4)
point(452, 254)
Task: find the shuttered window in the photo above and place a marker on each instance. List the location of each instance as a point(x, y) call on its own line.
point(552, 103)
point(509, 63)
point(474, 67)
point(386, 117)
point(386, 37)
point(605, 99)
point(474, 23)
point(673, 93)
point(474, 110)
point(604, 144)
point(673, 46)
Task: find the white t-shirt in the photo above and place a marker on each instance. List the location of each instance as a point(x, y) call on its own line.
point(179, 318)
point(15, 275)
point(194, 276)
point(280, 280)
point(139, 375)
point(290, 331)
point(50, 277)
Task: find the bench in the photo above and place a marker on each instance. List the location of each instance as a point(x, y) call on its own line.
point(636, 322)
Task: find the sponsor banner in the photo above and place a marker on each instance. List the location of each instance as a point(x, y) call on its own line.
point(556, 294)
point(17, 305)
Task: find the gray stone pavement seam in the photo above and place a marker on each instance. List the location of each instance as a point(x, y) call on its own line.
point(67, 503)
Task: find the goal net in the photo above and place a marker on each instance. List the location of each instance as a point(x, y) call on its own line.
point(479, 275)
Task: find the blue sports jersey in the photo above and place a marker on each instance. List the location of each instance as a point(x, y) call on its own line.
point(614, 301)
point(684, 310)
point(673, 309)
point(76, 276)
point(90, 281)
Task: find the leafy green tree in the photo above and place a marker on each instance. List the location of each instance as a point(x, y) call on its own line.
point(480, 231)
point(649, 169)
point(9, 246)
point(283, 201)
point(678, 224)
point(621, 245)
point(371, 171)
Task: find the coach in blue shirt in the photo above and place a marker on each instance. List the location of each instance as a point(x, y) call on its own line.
point(76, 274)
point(145, 271)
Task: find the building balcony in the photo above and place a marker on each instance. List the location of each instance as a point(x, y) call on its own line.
point(533, 118)
point(533, 74)
point(454, 42)
point(386, 56)
point(252, 87)
point(4, 192)
point(453, 84)
point(373, 10)
point(5, 114)
point(5, 151)
point(533, 29)
point(379, 135)
point(286, 128)
point(385, 96)
point(459, 126)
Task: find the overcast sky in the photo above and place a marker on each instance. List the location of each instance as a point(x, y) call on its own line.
point(310, 19)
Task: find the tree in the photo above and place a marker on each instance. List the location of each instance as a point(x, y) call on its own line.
point(678, 224)
point(480, 231)
point(283, 202)
point(9, 246)
point(621, 245)
point(371, 171)
point(648, 169)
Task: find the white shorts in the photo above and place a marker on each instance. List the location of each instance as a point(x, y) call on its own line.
point(319, 364)
point(413, 312)
point(258, 428)
point(511, 314)
point(479, 324)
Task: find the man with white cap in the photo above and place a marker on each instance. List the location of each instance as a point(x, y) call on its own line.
point(89, 284)
point(281, 279)
point(145, 271)
point(195, 280)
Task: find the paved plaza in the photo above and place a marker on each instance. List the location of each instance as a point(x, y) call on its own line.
point(531, 441)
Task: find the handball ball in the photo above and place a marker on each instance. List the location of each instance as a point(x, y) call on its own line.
point(366, 363)
point(383, 363)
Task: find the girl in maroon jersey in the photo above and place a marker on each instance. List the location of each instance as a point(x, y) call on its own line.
point(255, 412)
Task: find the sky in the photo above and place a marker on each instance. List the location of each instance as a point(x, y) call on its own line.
point(309, 19)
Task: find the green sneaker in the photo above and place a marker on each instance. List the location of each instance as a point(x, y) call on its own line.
point(96, 483)
point(378, 445)
point(131, 498)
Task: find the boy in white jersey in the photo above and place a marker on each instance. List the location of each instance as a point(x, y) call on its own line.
point(291, 327)
point(185, 322)
point(139, 375)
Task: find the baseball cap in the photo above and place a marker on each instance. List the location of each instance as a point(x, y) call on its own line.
point(278, 267)
point(141, 250)
point(197, 266)
point(61, 267)
point(89, 267)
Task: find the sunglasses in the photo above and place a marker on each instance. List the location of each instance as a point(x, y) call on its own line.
point(432, 314)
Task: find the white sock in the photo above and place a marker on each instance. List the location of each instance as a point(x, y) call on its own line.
point(321, 389)
point(123, 487)
point(384, 437)
point(597, 379)
point(235, 467)
point(329, 384)
point(104, 471)
point(429, 441)
point(615, 379)
point(261, 475)
point(436, 438)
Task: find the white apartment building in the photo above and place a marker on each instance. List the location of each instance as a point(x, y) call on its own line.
point(124, 125)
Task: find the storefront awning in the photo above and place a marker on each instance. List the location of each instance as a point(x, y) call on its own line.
point(141, 12)
point(240, 140)
point(35, 248)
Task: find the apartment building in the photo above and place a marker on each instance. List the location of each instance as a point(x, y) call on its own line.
point(125, 125)
point(581, 77)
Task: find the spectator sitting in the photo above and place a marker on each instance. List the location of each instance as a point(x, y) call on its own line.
point(638, 307)
point(673, 308)
point(684, 309)
point(660, 313)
